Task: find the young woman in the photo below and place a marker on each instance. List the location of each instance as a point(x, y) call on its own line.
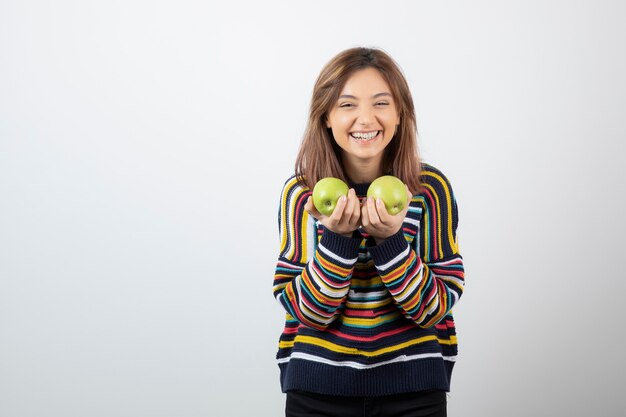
point(367, 295)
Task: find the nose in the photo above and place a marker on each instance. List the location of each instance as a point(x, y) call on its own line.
point(365, 117)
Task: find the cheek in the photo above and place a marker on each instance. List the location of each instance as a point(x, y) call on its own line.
point(340, 125)
point(389, 121)
point(338, 134)
point(344, 120)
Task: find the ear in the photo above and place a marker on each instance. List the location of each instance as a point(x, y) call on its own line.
point(327, 122)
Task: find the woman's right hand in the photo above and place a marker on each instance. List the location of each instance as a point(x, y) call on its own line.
point(344, 220)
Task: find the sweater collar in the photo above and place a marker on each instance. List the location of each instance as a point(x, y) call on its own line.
point(360, 189)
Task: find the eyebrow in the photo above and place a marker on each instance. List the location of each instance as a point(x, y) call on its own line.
point(374, 96)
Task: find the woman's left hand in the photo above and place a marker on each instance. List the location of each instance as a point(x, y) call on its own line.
point(377, 222)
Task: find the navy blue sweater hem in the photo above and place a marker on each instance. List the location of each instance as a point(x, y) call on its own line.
point(397, 378)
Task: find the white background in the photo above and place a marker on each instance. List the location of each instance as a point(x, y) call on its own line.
point(143, 146)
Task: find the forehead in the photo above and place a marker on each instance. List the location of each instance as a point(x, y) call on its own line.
point(365, 82)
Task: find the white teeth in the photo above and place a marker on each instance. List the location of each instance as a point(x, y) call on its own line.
point(364, 136)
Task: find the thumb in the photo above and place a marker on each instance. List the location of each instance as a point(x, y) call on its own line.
point(310, 208)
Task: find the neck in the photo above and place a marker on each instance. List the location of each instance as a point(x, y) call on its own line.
point(363, 170)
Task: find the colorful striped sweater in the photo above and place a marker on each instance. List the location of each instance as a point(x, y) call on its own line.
point(365, 319)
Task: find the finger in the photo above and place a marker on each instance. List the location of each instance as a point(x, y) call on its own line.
point(372, 212)
point(308, 206)
point(365, 221)
point(409, 194)
point(383, 214)
point(337, 213)
point(355, 209)
point(409, 197)
point(347, 211)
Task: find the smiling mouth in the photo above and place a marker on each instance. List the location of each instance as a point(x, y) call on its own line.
point(364, 137)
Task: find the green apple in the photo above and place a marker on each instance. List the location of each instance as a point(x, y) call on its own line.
point(326, 193)
point(391, 190)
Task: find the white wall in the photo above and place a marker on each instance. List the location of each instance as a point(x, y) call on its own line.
point(143, 145)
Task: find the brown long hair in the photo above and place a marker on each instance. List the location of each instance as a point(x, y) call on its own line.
point(319, 155)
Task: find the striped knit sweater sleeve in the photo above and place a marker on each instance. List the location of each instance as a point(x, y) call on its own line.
point(310, 292)
point(425, 287)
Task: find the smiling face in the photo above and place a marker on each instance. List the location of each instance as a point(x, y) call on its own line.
point(364, 118)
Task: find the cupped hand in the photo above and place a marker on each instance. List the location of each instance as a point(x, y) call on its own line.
point(377, 222)
point(344, 220)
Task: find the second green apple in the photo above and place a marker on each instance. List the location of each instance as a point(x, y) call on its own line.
point(391, 190)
